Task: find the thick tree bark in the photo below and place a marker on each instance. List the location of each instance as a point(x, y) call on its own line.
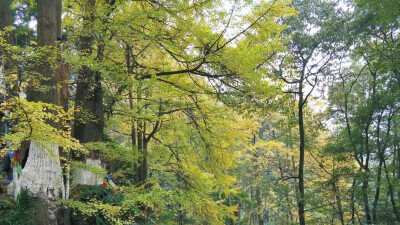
point(5, 21)
point(89, 101)
point(42, 174)
point(6, 17)
point(47, 32)
point(63, 75)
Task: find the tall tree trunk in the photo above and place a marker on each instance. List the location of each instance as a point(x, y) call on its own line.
point(366, 177)
point(42, 174)
point(5, 57)
point(5, 21)
point(140, 141)
point(237, 213)
point(260, 209)
point(89, 101)
point(352, 200)
point(377, 191)
point(295, 184)
point(134, 136)
point(397, 149)
point(337, 193)
point(391, 194)
point(339, 203)
point(142, 147)
point(289, 216)
point(89, 97)
point(6, 18)
point(364, 189)
point(379, 174)
point(301, 202)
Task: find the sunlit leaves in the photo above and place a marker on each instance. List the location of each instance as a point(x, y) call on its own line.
point(41, 122)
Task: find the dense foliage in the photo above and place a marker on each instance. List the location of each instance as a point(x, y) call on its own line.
point(208, 111)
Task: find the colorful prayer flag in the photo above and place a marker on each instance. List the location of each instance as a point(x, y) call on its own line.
point(10, 153)
point(18, 169)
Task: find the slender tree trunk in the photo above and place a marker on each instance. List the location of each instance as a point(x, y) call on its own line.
point(339, 203)
point(145, 156)
point(379, 174)
point(142, 145)
point(364, 189)
point(63, 75)
point(138, 132)
point(134, 136)
point(289, 213)
point(140, 148)
point(398, 166)
point(337, 193)
point(391, 194)
point(240, 210)
point(301, 203)
point(377, 191)
point(232, 221)
point(366, 176)
point(295, 184)
point(260, 209)
point(352, 203)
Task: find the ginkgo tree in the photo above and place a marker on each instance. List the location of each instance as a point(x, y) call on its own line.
point(204, 111)
point(154, 66)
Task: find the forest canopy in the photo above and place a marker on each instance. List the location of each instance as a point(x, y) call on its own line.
point(200, 112)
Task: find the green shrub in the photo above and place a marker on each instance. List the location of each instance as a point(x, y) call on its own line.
point(21, 211)
point(87, 194)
